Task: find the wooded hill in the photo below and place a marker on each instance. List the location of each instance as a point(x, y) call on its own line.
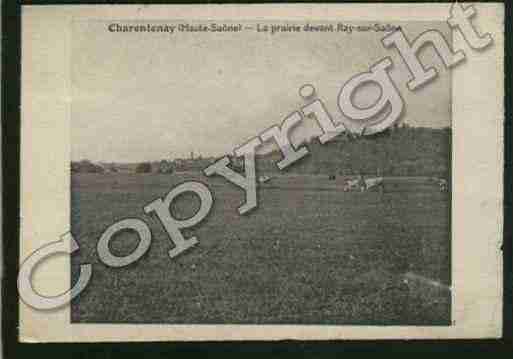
point(401, 151)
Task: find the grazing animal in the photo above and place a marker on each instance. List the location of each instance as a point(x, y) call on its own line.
point(374, 182)
point(350, 185)
point(363, 184)
point(264, 179)
point(442, 184)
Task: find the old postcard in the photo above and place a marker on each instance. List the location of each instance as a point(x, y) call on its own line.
point(261, 172)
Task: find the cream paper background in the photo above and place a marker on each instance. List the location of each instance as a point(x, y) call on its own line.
point(477, 125)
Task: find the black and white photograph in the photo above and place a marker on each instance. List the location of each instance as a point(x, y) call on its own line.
point(357, 231)
point(261, 172)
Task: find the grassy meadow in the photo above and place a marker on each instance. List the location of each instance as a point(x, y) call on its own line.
point(309, 254)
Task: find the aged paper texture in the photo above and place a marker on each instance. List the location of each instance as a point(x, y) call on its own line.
point(261, 172)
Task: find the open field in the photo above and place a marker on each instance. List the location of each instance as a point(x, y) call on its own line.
point(309, 253)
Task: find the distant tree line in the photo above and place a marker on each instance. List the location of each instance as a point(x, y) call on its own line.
point(398, 151)
point(86, 166)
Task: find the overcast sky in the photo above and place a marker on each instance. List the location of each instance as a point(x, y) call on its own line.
point(148, 96)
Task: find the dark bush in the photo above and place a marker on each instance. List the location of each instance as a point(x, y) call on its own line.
point(143, 167)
